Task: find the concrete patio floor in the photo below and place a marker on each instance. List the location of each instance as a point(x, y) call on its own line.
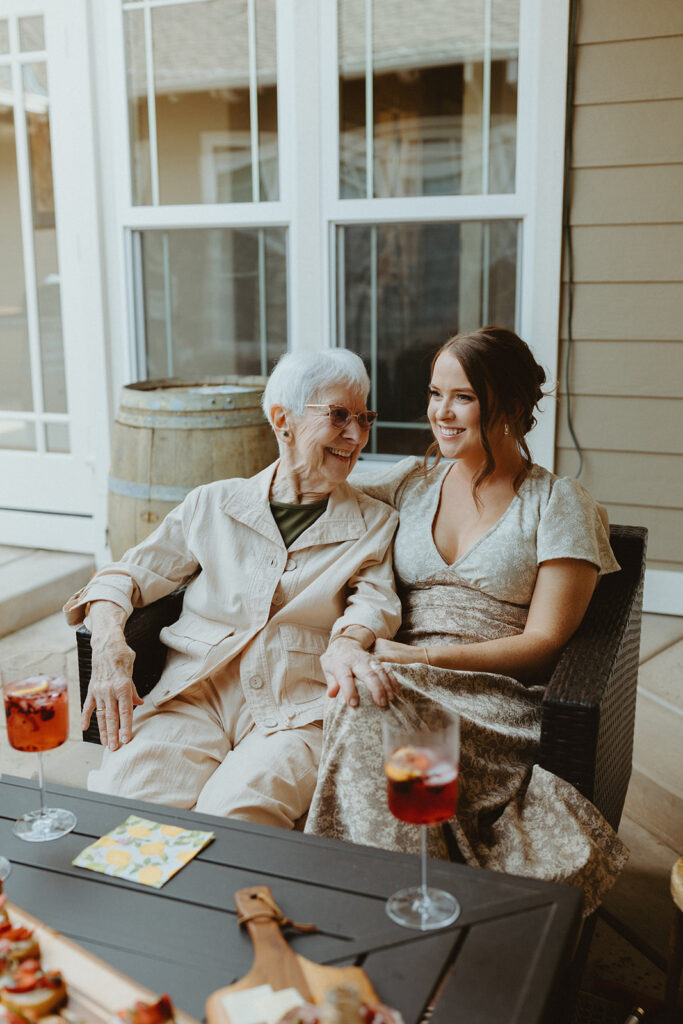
point(628, 955)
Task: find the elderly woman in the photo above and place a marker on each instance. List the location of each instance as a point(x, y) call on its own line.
point(279, 566)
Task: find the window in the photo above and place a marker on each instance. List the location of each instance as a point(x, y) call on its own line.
point(201, 81)
point(376, 174)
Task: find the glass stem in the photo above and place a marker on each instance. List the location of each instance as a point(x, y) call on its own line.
point(423, 852)
point(41, 782)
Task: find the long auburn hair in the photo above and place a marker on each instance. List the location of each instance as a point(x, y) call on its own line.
point(507, 381)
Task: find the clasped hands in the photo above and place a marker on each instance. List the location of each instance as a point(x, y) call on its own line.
point(346, 662)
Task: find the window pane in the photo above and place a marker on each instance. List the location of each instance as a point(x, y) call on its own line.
point(57, 437)
point(138, 120)
point(15, 367)
point(17, 434)
point(31, 34)
point(402, 290)
point(443, 97)
point(215, 301)
point(204, 102)
point(266, 71)
point(4, 36)
point(45, 237)
point(503, 128)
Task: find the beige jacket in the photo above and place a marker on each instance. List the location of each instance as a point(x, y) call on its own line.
point(251, 596)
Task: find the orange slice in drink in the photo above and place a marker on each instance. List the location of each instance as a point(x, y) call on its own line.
point(29, 689)
point(406, 763)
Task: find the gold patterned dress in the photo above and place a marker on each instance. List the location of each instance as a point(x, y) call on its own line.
point(512, 815)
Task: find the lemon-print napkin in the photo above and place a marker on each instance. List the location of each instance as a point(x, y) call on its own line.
point(143, 851)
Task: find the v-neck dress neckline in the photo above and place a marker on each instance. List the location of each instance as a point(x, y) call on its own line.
point(480, 540)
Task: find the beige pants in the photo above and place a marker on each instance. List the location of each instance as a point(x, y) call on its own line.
point(202, 751)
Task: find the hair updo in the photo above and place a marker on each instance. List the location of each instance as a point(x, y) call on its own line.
point(508, 383)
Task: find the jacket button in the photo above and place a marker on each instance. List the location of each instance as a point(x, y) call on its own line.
point(291, 564)
point(270, 725)
point(291, 715)
point(278, 598)
point(256, 682)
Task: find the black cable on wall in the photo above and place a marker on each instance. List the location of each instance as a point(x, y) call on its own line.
point(566, 217)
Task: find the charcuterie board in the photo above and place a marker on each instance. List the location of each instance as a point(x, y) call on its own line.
point(95, 990)
point(276, 964)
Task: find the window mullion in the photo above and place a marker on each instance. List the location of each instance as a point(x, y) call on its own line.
point(253, 103)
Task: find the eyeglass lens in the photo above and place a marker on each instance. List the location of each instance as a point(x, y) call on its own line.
point(340, 416)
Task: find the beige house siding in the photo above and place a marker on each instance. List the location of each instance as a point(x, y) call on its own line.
point(626, 377)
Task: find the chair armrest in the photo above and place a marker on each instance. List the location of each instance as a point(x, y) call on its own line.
point(588, 710)
point(142, 636)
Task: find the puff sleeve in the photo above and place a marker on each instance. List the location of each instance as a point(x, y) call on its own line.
point(570, 526)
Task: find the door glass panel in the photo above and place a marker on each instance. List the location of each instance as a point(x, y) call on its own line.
point(402, 291)
point(31, 34)
point(4, 36)
point(45, 238)
point(441, 84)
point(57, 437)
point(205, 99)
point(214, 301)
point(15, 366)
point(17, 434)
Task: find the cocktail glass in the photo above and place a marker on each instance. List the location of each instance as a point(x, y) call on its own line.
point(421, 753)
point(37, 714)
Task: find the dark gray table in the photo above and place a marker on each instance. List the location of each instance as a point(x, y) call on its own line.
point(503, 961)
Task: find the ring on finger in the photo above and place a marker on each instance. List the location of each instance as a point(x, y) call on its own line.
point(98, 711)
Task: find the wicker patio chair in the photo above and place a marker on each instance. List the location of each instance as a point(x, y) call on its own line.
point(589, 706)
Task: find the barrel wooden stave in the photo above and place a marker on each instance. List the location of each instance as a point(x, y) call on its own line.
point(154, 465)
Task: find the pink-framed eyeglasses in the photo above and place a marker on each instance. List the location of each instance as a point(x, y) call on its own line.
point(340, 416)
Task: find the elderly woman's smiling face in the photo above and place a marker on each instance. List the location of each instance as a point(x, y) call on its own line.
point(326, 453)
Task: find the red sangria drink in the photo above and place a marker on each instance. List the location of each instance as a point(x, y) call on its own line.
point(422, 785)
point(421, 756)
point(37, 713)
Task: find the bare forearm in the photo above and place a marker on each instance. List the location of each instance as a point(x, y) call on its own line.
point(529, 657)
point(106, 620)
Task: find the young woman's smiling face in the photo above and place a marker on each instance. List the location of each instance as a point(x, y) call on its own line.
point(453, 410)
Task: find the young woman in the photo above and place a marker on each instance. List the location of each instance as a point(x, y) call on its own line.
point(495, 560)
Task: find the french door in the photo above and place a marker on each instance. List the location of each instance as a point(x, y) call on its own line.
point(52, 381)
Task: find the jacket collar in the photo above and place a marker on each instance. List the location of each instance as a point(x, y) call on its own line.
point(249, 504)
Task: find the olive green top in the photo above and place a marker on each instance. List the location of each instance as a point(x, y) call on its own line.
point(292, 520)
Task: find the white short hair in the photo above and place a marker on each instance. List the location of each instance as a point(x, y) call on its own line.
point(299, 377)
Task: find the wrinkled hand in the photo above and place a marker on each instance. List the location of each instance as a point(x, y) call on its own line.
point(111, 694)
point(398, 654)
point(345, 663)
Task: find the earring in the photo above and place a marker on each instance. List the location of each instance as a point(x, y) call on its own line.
point(285, 433)
point(506, 430)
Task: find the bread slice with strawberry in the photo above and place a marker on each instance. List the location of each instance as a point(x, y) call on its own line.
point(32, 993)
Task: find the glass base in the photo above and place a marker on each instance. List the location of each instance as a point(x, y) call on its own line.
point(5, 868)
point(410, 909)
point(41, 826)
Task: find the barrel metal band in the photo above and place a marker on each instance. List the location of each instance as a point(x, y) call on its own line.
point(210, 421)
point(147, 492)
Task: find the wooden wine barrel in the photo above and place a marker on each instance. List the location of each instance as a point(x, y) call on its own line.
point(170, 436)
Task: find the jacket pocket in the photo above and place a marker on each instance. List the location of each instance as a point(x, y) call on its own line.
point(194, 635)
point(304, 677)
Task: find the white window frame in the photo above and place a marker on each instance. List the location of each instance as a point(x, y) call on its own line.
point(536, 203)
point(309, 206)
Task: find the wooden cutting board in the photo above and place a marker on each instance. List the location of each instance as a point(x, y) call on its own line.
point(276, 963)
point(96, 990)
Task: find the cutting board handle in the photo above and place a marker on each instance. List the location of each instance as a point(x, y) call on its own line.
point(274, 959)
